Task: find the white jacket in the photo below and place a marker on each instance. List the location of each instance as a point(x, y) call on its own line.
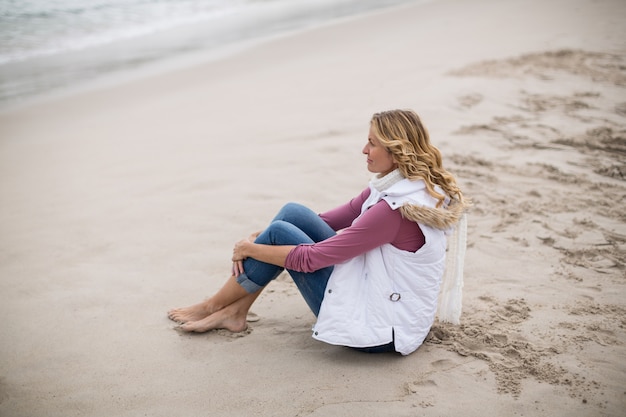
point(386, 294)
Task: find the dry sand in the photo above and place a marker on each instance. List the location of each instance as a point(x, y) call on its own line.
point(120, 203)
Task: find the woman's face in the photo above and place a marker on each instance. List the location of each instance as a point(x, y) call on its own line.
point(379, 160)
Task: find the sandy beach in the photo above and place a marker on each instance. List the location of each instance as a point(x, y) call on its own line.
point(122, 202)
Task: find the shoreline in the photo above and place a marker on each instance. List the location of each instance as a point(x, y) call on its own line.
point(172, 49)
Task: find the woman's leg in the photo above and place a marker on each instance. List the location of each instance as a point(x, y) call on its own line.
point(232, 317)
point(306, 220)
point(229, 293)
point(256, 276)
point(294, 224)
point(312, 286)
point(234, 299)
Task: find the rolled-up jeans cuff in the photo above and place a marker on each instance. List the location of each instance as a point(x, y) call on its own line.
point(247, 284)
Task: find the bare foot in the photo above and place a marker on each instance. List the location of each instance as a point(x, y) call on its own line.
point(229, 318)
point(192, 313)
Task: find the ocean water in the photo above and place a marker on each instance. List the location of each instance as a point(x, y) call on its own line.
point(50, 45)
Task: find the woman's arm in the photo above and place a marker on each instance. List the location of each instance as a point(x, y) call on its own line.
point(271, 254)
point(343, 216)
point(246, 248)
point(377, 226)
point(337, 218)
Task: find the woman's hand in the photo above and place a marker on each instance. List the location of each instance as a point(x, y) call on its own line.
point(239, 253)
point(237, 268)
point(248, 248)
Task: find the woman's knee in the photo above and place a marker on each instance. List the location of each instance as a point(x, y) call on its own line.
point(282, 232)
point(291, 211)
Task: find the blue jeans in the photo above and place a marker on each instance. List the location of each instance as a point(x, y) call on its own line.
point(294, 224)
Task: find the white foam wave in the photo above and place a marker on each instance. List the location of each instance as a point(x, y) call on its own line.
point(75, 40)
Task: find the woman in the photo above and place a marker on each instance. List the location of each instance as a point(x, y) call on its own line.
point(374, 285)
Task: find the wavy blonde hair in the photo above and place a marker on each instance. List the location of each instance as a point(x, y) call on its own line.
point(404, 136)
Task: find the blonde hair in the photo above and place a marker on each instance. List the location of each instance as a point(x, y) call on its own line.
point(404, 136)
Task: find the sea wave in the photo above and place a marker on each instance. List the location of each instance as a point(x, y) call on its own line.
point(50, 45)
point(32, 29)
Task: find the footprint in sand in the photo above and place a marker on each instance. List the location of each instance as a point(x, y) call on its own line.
point(470, 100)
point(443, 364)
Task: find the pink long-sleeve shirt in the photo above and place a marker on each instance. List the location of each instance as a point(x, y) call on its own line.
point(378, 225)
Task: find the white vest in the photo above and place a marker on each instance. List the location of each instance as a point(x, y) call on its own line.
point(386, 294)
